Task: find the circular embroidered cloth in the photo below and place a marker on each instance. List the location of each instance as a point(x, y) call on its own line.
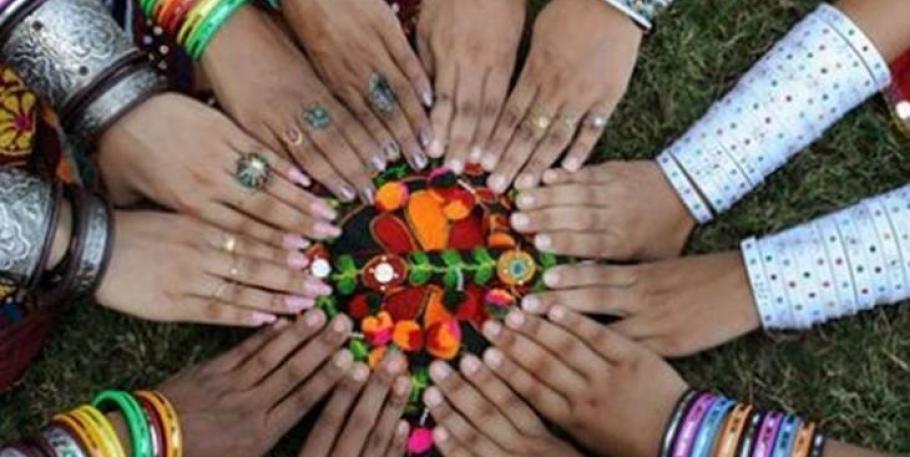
point(422, 269)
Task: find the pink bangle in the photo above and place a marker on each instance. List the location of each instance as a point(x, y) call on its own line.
point(686, 437)
point(767, 435)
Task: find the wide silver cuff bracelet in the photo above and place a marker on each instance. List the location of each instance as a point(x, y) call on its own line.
point(26, 213)
point(98, 233)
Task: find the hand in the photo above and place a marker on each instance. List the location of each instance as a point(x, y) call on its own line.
point(478, 414)
point(470, 47)
point(616, 211)
point(582, 56)
point(372, 426)
point(267, 85)
point(676, 307)
point(184, 155)
point(242, 402)
point(359, 49)
point(167, 267)
point(611, 394)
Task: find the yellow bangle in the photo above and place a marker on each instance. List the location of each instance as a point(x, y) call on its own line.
point(169, 418)
point(83, 434)
point(110, 442)
point(199, 12)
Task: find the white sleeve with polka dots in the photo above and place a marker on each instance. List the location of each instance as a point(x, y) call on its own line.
point(853, 260)
point(822, 69)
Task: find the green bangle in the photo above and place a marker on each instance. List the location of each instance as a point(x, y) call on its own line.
point(203, 34)
point(136, 422)
point(148, 7)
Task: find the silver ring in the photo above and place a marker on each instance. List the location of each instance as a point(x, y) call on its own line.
point(381, 95)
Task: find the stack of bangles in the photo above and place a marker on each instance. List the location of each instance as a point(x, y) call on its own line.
point(151, 421)
point(74, 55)
point(704, 424)
point(192, 22)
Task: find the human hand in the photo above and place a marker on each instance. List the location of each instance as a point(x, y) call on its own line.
point(167, 267)
point(359, 49)
point(469, 47)
point(372, 426)
point(676, 307)
point(266, 84)
point(582, 56)
point(478, 414)
point(242, 402)
point(616, 211)
point(611, 394)
point(184, 155)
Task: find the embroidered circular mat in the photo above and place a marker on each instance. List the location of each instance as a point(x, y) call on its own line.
point(422, 269)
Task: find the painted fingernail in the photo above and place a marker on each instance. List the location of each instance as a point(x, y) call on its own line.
point(378, 163)
point(470, 364)
point(368, 195)
point(439, 371)
point(396, 365)
point(324, 230)
point(551, 278)
point(297, 260)
point(294, 241)
point(341, 324)
point(427, 98)
point(456, 165)
point(298, 177)
point(520, 221)
point(550, 176)
point(571, 164)
point(260, 318)
point(525, 201)
point(491, 329)
point(440, 434)
point(401, 386)
point(297, 304)
point(402, 428)
point(425, 138)
point(316, 287)
point(280, 324)
point(498, 183)
point(492, 357)
point(489, 162)
point(526, 181)
point(436, 150)
point(392, 151)
point(557, 313)
point(323, 210)
point(314, 318)
point(542, 242)
point(360, 373)
point(475, 155)
point(343, 359)
point(433, 397)
point(515, 319)
point(531, 304)
point(347, 193)
point(420, 160)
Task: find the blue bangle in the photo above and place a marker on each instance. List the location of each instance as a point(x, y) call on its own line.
point(716, 416)
point(786, 438)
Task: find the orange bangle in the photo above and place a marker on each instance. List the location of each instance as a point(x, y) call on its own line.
point(733, 431)
point(163, 10)
point(170, 420)
point(88, 440)
point(803, 444)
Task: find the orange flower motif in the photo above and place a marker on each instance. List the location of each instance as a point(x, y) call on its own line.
point(444, 339)
point(377, 329)
point(408, 336)
point(376, 355)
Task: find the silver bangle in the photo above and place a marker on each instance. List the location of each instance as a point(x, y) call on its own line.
point(26, 213)
point(62, 443)
point(115, 101)
point(98, 234)
point(11, 10)
point(64, 47)
point(11, 452)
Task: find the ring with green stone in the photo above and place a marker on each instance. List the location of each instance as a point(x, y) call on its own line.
point(317, 117)
point(253, 171)
point(382, 97)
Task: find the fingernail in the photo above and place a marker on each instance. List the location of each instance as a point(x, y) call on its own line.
point(427, 99)
point(433, 397)
point(498, 183)
point(551, 278)
point(392, 151)
point(420, 160)
point(316, 287)
point(571, 164)
point(520, 221)
point(378, 163)
point(402, 429)
point(557, 313)
point(542, 242)
point(550, 176)
point(347, 193)
point(297, 261)
point(531, 304)
point(396, 365)
point(402, 385)
point(526, 181)
point(491, 329)
point(294, 241)
point(280, 324)
point(525, 201)
point(324, 230)
point(470, 364)
point(340, 324)
point(440, 371)
point(361, 373)
point(297, 304)
point(436, 150)
point(440, 435)
point(343, 359)
point(515, 319)
point(456, 165)
point(323, 210)
point(489, 162)
point(368, 195)
point(476, 154)
point(425, 138)
point(314, 318)
point(298, 177)
point(260, 318)
point(493, 357)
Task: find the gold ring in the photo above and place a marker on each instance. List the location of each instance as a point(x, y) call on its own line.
point(229, 244)
point(541, 122)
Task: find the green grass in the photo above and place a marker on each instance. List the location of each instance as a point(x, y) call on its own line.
point(854, 375)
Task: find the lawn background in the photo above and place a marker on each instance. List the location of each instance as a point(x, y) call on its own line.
point(853, 375)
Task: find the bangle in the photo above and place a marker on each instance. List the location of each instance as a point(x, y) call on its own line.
point(786, 437)
point(99, 240)
point(682, 406)
point(156, 427)
point(818, 444)
point(887, 240)
point(803, 445)
point(733, 430)
point(110, 442)
point(30, 206)
point(13, 14)
point(203, 35)
point(172, 18)
point(690, 425)
point(684, 188)
point(135, 419)
point(704, 442)
point(169, 419)
point(12, 451)
point(62, 277)
point(751, 434)
point(61, 443)
point(767, 433)
point(200, 11)
point(642, 12)
point(91, 445)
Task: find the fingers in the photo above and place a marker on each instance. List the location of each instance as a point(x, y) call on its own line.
point(496, 87)
point(461, 428)
point(580, 358)
point(252, 344)
point(257, 366)
point(573, 218)
point(305, 153)
point(590, 274)
point(233, 221)
point(595, 174)
point(399, 444)
point(246, 246)
point(362, 111)
point(358, 137)
point(393, 101)
point(592, 128)
point(202, 310)
point(443, 109)
point(544, 399)
point(384, 432)
point(403, 55)
point(591, 245)
point(513, 114)
point(448, 446)
point(563, 195)
point(538, 120)
point(590, 300)
point(507, 402)
point(609, 344)
point(551, 146)
point(247, 272)
point(468, 97)
point(294, 406)
point(322, 437)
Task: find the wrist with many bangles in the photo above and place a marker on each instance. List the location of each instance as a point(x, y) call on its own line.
point(194, 23)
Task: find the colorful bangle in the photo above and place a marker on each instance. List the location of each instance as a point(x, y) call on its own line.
point(733, 430)
point(61, 442)
point(194, 17)
point(173, 19)
point(750, 436)
point(786, 437)
point(682, 406)
point(691, 424)
point(704, 442)
point(75, 426)
point(135, 419)
point(198, 42)
point(803, 445)
point(763, 445)
point(169, 418)
point(103, 429)
point(156, 428)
